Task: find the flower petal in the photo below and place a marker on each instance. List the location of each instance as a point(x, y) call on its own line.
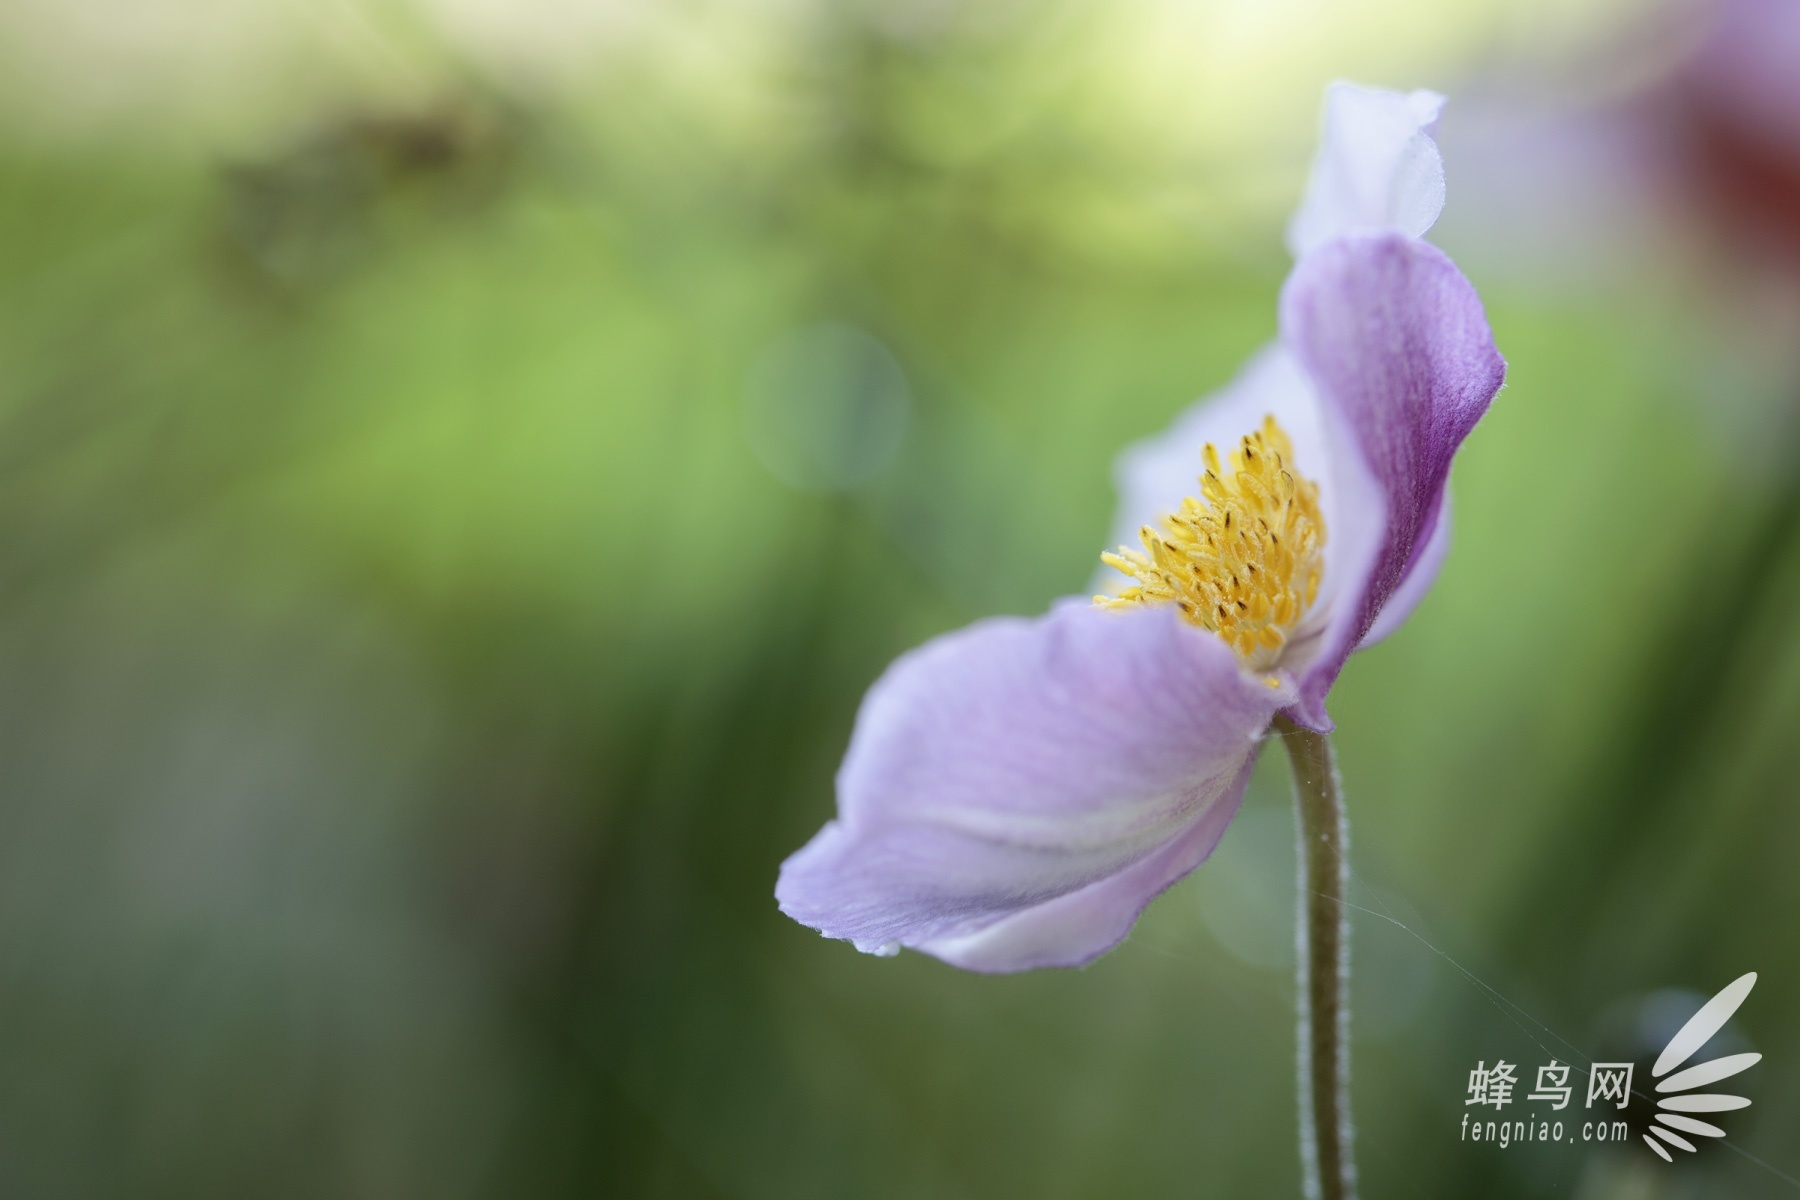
point(1420, 574)
point(1398, 345)
point(1377, 167)
point(1074, 928)
point(1068, 767)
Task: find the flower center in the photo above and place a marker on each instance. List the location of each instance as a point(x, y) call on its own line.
point(1244, 562)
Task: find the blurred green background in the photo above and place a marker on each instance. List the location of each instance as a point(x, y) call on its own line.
point(461, 464)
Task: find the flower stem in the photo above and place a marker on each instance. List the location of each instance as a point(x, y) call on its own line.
point(1322, 978)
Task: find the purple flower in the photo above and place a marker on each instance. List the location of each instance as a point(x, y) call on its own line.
point(1016, 792)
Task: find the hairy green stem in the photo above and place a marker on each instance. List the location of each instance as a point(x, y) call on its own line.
point(1323, 974)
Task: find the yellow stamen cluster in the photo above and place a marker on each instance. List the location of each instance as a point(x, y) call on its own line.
point(1244, 563)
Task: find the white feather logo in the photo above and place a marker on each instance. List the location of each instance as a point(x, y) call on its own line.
point(1681, 1099)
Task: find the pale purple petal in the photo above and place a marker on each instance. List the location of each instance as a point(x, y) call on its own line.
point(1377, 168)
point(1073, 928)
point(1068, 767)
point(1398, 345)
point(1420, 575)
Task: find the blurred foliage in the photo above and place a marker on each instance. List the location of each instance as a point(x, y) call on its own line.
point(411, 679)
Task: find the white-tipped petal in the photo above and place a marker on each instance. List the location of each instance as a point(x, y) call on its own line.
point(1377, 169)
